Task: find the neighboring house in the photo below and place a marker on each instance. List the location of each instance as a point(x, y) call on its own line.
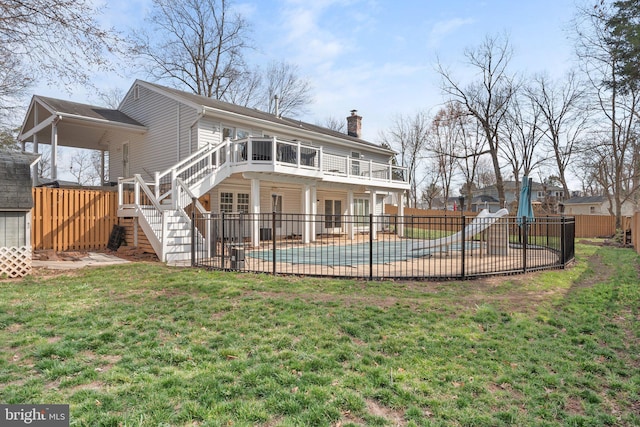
point(485, 201)
point(169, 146)
point(16, 201)
point(450, 204)
point(593, 205)
point(548, 195)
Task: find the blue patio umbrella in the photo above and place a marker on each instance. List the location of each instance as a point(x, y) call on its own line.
point(525, 208)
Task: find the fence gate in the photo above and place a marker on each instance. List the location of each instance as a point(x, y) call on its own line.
point(72, 219)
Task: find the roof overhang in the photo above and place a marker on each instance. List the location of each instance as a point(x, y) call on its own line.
point(72, 130)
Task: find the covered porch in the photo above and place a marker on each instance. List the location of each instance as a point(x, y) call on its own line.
point(323, 206)
point(59, 123)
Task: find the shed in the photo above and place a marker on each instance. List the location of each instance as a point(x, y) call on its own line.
point(16, 202)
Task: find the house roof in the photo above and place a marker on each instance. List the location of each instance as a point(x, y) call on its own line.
point(586, 200)
point(511, 186)
point(484, 198)
point(70, 108)
point(76, 125)
point(15, 179)
point(204, 101)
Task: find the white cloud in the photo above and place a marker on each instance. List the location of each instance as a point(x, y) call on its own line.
point(246, 10)
point(442, 29)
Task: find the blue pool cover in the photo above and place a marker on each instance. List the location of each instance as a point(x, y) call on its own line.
point(383, 252)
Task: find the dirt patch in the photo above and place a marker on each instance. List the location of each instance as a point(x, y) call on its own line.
point(573, 406)
point(133, 254)
point(601, 272)
point(395, 417)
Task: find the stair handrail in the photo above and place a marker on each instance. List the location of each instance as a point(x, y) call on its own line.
point(183, 161)
point(183, 165)
point(181, 186)
point(150, 195)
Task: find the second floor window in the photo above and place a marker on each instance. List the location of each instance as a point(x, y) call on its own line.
point(234, 133)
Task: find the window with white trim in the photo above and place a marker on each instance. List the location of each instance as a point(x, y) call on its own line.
point(234, 202)
point(13, 229)
point(242, 204)
point(226, 202)
point(234, 133)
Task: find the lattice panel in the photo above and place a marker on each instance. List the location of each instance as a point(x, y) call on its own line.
point(15, 262)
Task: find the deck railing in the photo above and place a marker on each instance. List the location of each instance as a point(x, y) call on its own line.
point(270, 151)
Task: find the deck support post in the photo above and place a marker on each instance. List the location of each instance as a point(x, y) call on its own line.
point(373, 227)
point(255, 212)
point(400, 220)
point(314, 212)
point(306, 212)
point(351, 229)
point(54, 151)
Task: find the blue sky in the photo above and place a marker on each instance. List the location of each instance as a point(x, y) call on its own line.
point(377, 56)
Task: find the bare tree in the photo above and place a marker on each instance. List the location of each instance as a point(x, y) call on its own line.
point(14, 81)
point(488, 98)
point(408, 135)
point(564, 118)
point(293, 92)
point(258, 89)
point(471, 149)
point(111, 97)
point(82, 168)
point(197, 44)
point(521, 135)
point(8, 140)
point(430, 193)
point(445, 138)
point(617, 170)
point(44, 165)
point(334, 123)
point(100, 170)
point(247, 90)
point(60, 41)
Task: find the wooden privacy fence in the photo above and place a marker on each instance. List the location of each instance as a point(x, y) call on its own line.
point(635, 231)
point(599, 225)
point(72, 219)
point(587, 226)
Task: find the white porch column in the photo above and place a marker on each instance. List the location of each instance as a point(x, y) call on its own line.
point(255, 211)
point(372, 208)
point(314, 212)
point(400, 223)
point(102, 167)
point(306, 211)
point(35, 135)
point(351, 230)
point(54, 150)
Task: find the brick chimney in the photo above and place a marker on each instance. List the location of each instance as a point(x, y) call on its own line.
point(354, 124)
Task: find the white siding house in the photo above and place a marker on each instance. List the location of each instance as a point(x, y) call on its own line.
point(167, 147)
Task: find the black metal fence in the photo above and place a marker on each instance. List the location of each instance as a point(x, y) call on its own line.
point(381, 247)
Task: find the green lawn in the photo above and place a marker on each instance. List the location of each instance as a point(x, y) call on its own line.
point(144, 344)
